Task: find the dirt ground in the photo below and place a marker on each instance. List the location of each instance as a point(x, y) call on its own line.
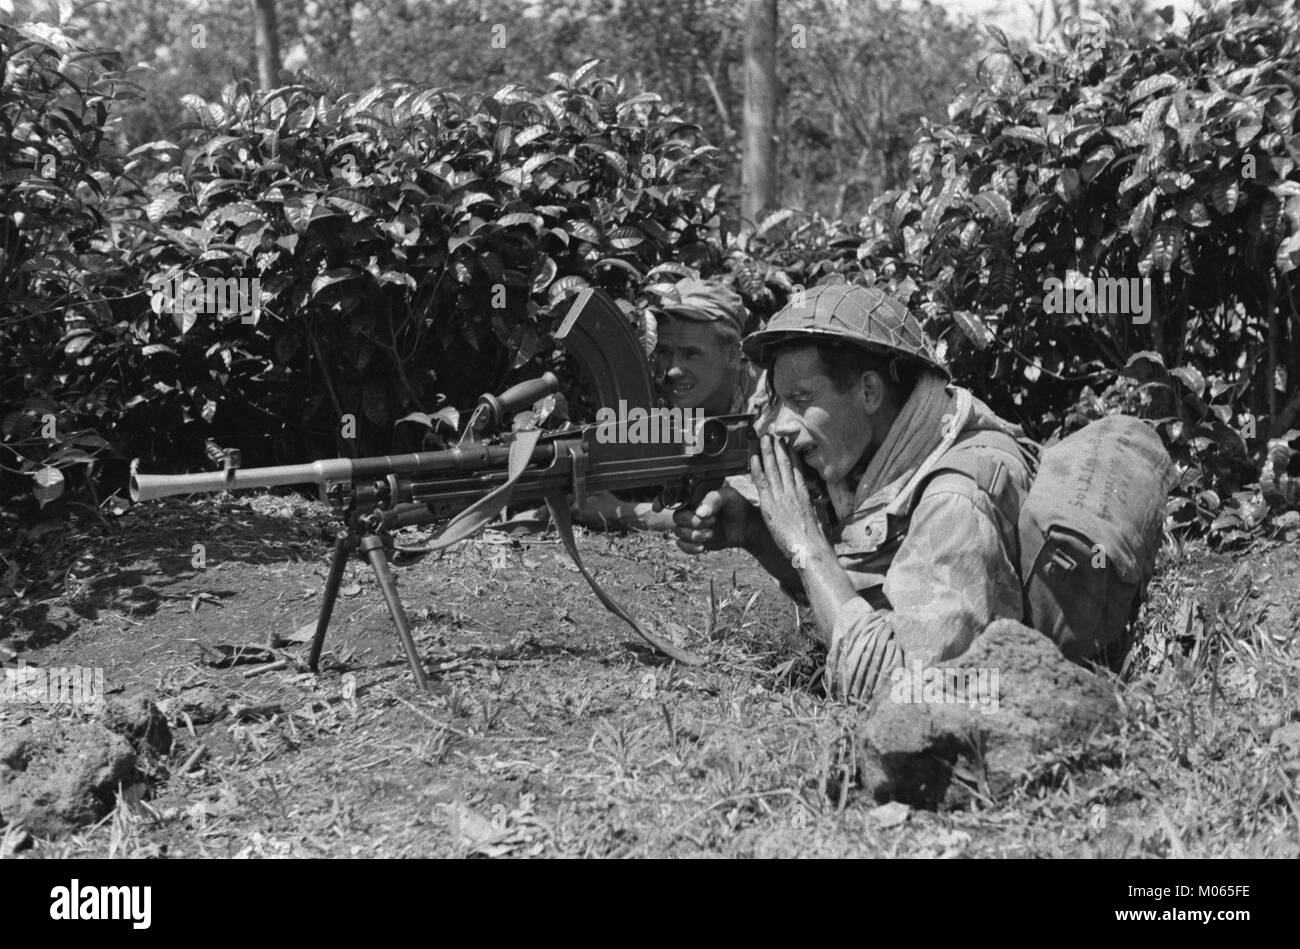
point(549, 731)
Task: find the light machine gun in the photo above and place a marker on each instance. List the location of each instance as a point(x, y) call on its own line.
point(473, 482)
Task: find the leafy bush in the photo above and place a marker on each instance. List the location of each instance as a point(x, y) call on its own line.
point(62, 282)
point(1173, 159)
point(411, 246)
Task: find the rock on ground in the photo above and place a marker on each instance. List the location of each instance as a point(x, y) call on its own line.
point(56, 776)
point(136, 718)
point(1028, 699)
point(59, 774)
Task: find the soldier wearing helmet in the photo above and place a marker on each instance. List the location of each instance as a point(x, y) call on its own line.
point(923, 485)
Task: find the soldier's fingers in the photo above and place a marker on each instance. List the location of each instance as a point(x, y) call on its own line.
point(759, 478)
point(797, 469)
point(709, 504)
point(783, 463)
point(694, 541)
point(769, 463)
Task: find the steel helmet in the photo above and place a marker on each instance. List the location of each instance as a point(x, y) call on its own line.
point(848, 313)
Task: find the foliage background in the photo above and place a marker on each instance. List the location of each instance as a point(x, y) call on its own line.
point(383, 223)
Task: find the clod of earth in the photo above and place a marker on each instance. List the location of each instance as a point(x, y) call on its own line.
point(136, 718)
point(57, 776)
point(910, 752)
point(202, 704)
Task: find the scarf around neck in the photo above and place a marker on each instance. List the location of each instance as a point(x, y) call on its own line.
point(928, 424)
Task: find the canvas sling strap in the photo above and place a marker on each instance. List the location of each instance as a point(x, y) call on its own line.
point(477, 516)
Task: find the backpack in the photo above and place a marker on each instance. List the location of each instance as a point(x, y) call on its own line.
point(1090, 530)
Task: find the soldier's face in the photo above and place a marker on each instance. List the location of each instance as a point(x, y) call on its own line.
point(696, 364)
point(829, 429)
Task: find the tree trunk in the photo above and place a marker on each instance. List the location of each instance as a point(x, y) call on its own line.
point(267, 42)
point(758, 170)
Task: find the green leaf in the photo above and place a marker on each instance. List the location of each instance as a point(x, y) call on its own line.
point(583, 71)
point(620, 265)
point(531, 134)
point(250, 236)
point(543, 273)
point(993, 205)
point(566, 286)
point(185, 319)
point(625, 238)
point(298, 211)
point(526, 343)
point(331, 277)
point(677, 270)
point(1096, 162)
point(520, 217)
point(473, 198)
point(775, 219)
point(1067, 185)
point(973, 328)
point(162, 205)
point(1139, 222)
point(358, 204)
point(78, 342)
point(1150, 86)
point(216, 187)
point(1190, 378)
point(585, 230)
point(1025, 133)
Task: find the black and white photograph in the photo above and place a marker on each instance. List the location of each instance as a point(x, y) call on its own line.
point(651, 429)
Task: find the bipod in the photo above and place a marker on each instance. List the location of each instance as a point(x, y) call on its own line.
point(374, 550)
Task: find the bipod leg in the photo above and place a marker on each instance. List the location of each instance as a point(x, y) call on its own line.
point(344, 543)
point(372, 547)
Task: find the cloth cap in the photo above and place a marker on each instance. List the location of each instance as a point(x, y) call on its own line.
point(707, 302)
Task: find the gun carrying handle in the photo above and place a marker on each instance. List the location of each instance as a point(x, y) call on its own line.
point(492, 409)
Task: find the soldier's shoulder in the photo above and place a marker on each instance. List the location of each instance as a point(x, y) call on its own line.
point(990, 462)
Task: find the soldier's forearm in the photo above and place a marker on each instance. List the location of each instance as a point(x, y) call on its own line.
point(603, 510)
point(759, 543)
point(827, 586)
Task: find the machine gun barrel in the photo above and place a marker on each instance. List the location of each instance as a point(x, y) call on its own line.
point(469, 457)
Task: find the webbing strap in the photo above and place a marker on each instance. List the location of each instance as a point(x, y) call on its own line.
point(558, 504)
point(477, 516)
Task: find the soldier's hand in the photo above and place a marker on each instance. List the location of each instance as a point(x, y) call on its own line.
point(720, 520)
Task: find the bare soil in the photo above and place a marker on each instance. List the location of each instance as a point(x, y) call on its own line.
point(549, 730)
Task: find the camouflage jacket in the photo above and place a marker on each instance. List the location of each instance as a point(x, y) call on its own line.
point(934, 558)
